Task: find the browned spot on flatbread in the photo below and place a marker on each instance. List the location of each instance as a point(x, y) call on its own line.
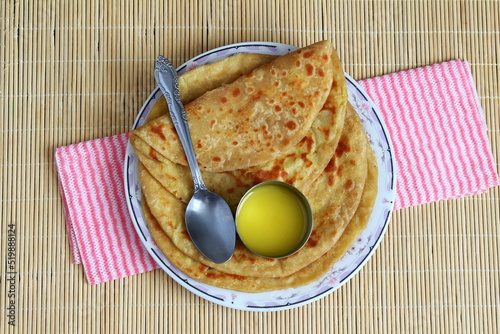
point(173, 178)
point(331, 180)
point(155, 227)
point(274, 173)
point(152, 154)
point(342, 148)
point(308, 54)
point(291, 125)
point(349, 185)
point(321, 73)
point(216, 159)
point(257, 95)
point(223, 99)
point(312, 242)
point(330, 167)
point(326, 132)
point(236, 92)
point(339, 170)
point(158, 130)
point(301, 104)
point(277, 108)
point(201, 268)
point(212, 123)
point(265, 175)
point(297, 63)
point(185, 235)
point(304, 158)
point(309, 141)
point(309, 69)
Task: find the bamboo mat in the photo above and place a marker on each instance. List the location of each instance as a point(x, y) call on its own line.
point(71, 71)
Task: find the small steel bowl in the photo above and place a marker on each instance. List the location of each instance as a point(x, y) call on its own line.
point(308, 215)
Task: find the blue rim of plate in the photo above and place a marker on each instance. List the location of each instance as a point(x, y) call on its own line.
point(343, 270)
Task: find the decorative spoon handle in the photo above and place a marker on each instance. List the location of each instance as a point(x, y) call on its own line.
point(166, 77)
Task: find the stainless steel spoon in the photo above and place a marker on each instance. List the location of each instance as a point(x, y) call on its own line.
point(209, 220)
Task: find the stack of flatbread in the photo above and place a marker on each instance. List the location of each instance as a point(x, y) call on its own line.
point(255, 118)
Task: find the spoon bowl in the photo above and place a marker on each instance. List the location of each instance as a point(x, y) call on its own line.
point(209, 220)
point(207, 215)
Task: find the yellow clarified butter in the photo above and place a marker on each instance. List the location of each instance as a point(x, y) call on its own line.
point(272, 220)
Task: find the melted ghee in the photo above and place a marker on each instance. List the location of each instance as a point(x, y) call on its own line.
point(272, 220)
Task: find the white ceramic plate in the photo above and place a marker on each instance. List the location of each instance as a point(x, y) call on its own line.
point(345, 268)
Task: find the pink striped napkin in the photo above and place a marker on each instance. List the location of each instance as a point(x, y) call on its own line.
point(432, 113)
point(100, 230)
point(438, 131)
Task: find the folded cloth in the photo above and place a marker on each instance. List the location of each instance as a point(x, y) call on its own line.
point(100, 230)
point(434, 119)
point(438, 131)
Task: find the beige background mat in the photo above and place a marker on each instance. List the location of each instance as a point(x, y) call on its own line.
point(71, 71)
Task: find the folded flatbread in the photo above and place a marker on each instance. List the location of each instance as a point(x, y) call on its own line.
point(298, 166)
point(255, 118)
